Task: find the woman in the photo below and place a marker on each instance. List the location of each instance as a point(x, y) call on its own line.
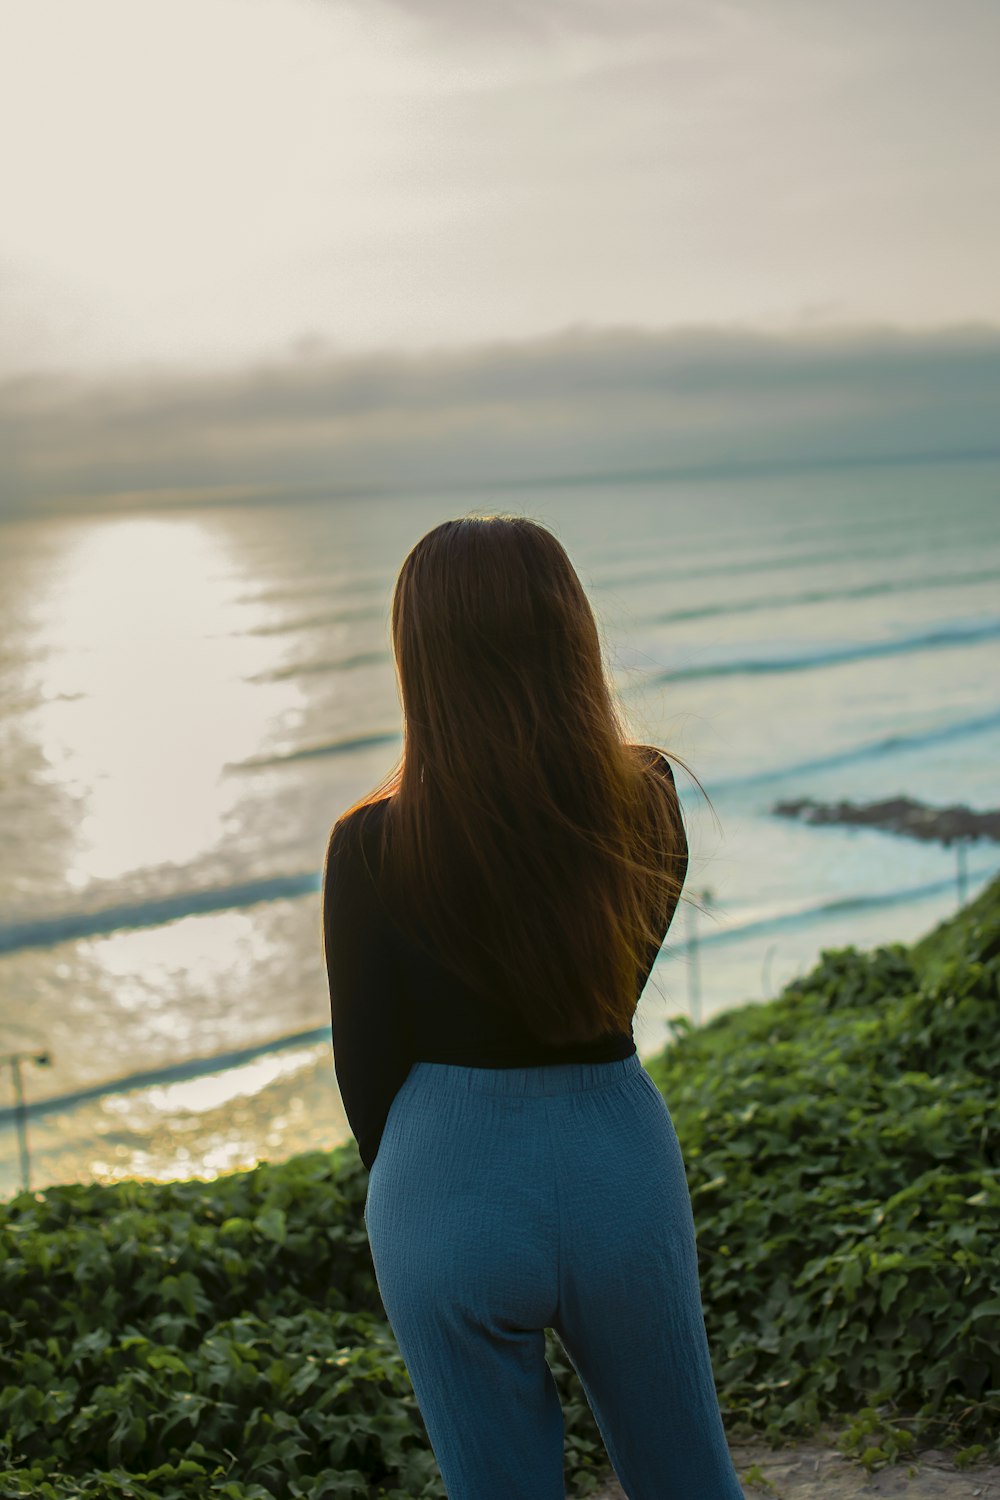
point(491, 913)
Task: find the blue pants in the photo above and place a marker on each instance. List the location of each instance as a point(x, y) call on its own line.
point(504, 1201)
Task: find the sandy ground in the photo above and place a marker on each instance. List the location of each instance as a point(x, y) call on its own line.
point(815, 1469)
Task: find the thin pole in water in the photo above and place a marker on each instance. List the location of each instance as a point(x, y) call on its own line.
point(21, 1121)
point(20, 1107)
point(693, 983)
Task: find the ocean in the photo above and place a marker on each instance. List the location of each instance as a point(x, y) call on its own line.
point(190, 697)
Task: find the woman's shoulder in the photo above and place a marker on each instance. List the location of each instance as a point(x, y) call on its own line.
point(355, 828)
point(655, 757)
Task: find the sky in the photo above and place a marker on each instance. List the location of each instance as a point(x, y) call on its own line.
point(195, 191)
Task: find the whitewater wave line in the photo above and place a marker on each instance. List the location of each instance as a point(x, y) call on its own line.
point(315, 668)
point(822, 596)
point(310, 752)
point(47, 932)
point(198, 1067)
point(873, 749)
point(718, 610)
point(681, 571)
point(310, 622)
point(178, 1072)
point(930, 640)
point(889, 744)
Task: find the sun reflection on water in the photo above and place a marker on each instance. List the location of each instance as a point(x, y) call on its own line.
point(142, 670)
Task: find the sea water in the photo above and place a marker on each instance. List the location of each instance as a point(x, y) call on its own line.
point(190, 698)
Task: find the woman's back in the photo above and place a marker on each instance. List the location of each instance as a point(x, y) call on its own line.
point(394, 1002)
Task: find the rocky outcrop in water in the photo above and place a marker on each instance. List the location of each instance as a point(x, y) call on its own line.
point(899, 815)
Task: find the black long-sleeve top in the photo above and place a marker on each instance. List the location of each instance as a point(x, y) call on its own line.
point(392, 1004)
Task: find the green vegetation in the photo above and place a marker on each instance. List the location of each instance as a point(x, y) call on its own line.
point(842, 1146)
point(226, 1339)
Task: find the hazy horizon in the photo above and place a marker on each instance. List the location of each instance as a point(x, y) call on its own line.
point(587, 404)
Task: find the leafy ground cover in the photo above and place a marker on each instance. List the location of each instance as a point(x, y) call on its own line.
point(842, 1142)
point(842, 1145)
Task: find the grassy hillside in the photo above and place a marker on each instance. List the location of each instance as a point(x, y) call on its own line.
point(192, 1340)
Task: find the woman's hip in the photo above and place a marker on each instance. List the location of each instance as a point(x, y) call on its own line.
point(466, 1152)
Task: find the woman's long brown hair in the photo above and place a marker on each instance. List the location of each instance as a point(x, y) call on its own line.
point(526, 844)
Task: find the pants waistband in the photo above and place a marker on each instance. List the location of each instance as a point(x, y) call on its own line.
point(532, 1081)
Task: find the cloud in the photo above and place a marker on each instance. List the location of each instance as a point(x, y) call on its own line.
point(402, 172)
point(580, 403)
